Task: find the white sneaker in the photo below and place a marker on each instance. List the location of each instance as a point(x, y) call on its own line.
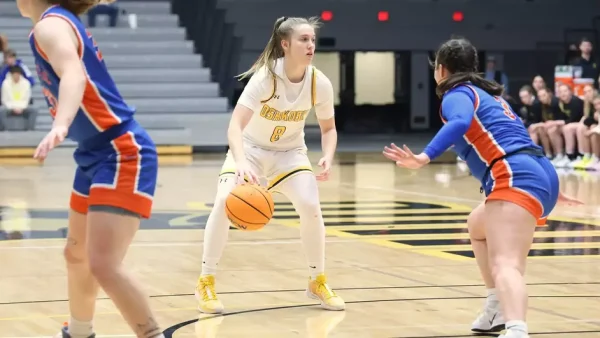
point(514, 334)
point(557, 158)
point(489, 320)
point(563, 162)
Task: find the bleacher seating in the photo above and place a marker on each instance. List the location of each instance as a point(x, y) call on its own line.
point(155, 69)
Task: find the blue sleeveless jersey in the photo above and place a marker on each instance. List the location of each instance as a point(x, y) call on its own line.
point(102, 106)
point(494, 131)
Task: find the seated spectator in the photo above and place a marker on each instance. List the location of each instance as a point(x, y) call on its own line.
point(10, 60)
point(587, 123)
point(594, 135)
point(553, 118)
point(111, 9)
point(16, 94)
point(531, 116)
point(572, 107)
point(538, 83)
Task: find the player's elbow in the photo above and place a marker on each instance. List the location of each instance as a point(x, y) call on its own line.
point(461, 126)
point(327, 125)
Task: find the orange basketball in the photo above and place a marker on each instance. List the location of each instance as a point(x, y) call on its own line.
point(249, 207)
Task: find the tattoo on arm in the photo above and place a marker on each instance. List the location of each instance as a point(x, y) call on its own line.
point(149, 330)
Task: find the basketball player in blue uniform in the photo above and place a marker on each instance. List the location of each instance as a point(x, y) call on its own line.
point(520, 183)
point(116, 164)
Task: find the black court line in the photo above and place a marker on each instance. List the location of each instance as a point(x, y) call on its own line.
point(558, 252)
point(303, 290)
point(168, 333)
point(496, 334)
point(573, 239)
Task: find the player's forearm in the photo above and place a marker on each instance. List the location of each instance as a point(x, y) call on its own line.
point(71, 90)
point(329, 142)
point(234, 137)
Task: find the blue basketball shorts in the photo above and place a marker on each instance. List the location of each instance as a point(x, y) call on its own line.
point(120, 173)
point(527, 180)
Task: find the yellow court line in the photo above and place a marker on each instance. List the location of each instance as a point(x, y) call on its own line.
point(535, 246)
point(398, 226)
point(390, 218)
point(387, 212)
point(170, 309)
point(542, 234)
point(444, 252)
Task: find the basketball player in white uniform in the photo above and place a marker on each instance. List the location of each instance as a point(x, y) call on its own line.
point(266, 139)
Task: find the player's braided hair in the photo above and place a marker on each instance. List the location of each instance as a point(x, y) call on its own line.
point(78, 7)
point(282, 29)
point(460, 58)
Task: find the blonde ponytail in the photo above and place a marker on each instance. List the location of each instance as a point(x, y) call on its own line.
point(272, 52)
point(281, 30)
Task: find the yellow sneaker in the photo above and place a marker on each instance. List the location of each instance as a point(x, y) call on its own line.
point(206, 295)
point(318, 289)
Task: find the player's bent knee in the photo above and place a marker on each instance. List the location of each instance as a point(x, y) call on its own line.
point(308, 207)
point(75, 253)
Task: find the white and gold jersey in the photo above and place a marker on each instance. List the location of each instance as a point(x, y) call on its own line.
point(280, 107)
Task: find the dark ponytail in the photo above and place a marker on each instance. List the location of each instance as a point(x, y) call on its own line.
point(490, 87)
point(459, 57)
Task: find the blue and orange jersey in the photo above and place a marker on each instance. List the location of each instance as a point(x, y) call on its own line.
point(102, 106)
point(482, 128)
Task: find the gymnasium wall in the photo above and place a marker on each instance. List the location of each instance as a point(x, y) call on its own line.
point(494, 25)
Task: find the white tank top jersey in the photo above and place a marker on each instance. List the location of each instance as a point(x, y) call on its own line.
point(280, 107)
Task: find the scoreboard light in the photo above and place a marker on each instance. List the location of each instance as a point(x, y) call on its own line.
point(327, 15)
point(383, 16)
point(458, 16)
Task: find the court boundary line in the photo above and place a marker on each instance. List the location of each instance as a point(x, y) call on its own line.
point(168, 332)
point(403, 287)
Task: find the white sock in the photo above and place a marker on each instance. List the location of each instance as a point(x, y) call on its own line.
point(79, 329)
point(517, 325)
point(492, 299)
point(303, 192)
point(217, 227)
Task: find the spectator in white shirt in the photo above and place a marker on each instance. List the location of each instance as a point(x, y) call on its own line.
point(16, 95)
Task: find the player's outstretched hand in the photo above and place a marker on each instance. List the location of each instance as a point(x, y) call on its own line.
point(244, 171)
point(55, 137)
point(405, 157)
point(568, 199)
point(325, 164)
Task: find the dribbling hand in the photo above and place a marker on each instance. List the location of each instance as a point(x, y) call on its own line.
point(244, 170)
point(55, 137)
point(324, 163)
point(405, 157)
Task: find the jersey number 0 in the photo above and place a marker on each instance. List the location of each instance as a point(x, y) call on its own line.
point(277, 133)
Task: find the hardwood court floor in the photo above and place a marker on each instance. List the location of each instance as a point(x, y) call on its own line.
point(397, 251)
